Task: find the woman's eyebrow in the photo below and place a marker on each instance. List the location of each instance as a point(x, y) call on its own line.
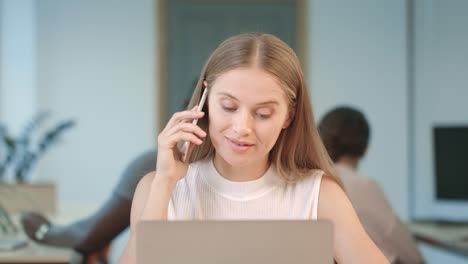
point(268, 102)
point(261, 103)
point(228, 95)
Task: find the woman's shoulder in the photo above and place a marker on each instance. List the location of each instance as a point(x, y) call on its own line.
point(332, 198)
point(148, 177)
point(146, 180)
point(329, 184)
point(144, 184)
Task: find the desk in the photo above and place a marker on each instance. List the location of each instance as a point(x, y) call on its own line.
point(35, 253)
point(452, 237)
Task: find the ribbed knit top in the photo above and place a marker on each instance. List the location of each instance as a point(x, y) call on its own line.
point(203, 194)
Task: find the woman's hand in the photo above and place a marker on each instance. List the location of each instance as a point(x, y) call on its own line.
point(179, 129)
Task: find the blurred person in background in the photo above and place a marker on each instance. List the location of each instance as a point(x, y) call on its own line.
point(345, 133)
point(90, 237)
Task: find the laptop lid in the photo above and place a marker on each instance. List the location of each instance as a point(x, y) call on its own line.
point(226, 242)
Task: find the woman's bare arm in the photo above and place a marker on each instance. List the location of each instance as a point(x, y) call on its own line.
point(153, 193)
point(150, 202)
point(351, 242)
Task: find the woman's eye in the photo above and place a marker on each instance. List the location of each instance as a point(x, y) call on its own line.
point(263, 116)
point(229, 109)
point(263, 113)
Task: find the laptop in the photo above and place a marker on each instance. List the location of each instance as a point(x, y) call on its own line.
point(226, 242)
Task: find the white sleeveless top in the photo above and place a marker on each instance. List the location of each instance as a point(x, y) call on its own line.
point(203, 194)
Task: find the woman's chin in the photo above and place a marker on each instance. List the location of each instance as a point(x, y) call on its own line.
point(236, 160)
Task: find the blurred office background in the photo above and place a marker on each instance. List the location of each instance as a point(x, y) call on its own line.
point(107, 64)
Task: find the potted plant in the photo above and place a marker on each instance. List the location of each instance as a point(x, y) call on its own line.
point(18, 156)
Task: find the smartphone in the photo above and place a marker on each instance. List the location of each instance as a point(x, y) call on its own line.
point(186, 145)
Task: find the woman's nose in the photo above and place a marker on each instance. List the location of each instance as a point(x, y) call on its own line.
point(243, 123)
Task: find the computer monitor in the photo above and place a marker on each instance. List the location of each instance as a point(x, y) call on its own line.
point(450, 154)
point(439, 179)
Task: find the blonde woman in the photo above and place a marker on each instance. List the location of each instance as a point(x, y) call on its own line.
point(255, 153)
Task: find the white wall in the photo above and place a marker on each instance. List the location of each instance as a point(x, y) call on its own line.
point(90, 53)
point(441, 93)
point(17, 63)
point(358, 57)
point(96, 64)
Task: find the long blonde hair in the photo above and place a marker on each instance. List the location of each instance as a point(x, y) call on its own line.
point(299, 150)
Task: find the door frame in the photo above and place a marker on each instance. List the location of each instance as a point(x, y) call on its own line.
point(302, 23)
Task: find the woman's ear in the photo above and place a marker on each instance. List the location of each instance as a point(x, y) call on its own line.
point(290, 117)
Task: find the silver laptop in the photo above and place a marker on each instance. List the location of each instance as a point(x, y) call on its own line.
point(239, 242)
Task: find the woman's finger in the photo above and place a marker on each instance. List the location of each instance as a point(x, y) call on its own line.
point(180, 136)
point(184, 116)
point(187, 127)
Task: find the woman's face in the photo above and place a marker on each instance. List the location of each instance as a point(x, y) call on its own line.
point(248, 110)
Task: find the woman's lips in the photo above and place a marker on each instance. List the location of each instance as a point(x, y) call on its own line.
point(239, 146)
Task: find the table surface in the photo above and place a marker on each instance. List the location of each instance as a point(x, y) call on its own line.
point(38, 253)
point(35, 253)
point(450, 236)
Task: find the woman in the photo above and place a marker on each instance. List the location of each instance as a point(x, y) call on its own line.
point(255, 154)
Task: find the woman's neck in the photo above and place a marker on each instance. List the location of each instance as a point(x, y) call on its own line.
point(249, 172)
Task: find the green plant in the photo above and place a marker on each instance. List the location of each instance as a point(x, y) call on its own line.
point(22, 153)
